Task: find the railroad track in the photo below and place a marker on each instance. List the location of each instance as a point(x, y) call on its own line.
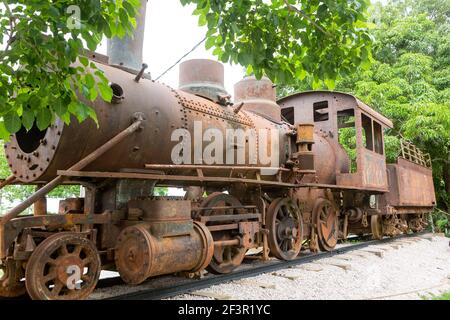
point(242, 272)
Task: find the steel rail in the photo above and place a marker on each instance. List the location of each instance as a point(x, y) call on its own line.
point(184, 288)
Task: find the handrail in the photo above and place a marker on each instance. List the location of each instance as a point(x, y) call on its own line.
point(411, 153)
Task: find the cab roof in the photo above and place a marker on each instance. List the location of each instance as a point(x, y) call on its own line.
point(358, 103)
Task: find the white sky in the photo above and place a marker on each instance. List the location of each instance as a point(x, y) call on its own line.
point(171, 31)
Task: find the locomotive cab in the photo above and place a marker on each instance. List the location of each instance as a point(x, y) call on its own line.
point(353, 130)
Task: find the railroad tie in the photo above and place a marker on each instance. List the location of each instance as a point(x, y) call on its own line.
point(378, 253)
point(344, 257)
point(310, 267)
point(405, 242)
point(383, 248)
point(428, 237)
point(290, 276)
point(340, 264)
point(208, 294)
point(247, 282)
point(360, 254)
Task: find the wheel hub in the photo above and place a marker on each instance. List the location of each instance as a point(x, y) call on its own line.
point(286, 229)
point(66, 266)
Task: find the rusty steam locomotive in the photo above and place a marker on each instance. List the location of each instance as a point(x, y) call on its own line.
point(316, 195)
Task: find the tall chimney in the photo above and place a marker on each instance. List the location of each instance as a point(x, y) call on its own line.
point(127, 52)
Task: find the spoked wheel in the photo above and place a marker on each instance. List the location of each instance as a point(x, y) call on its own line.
point(12, 282)
point(326, 219)
point(285, 225)
point(225, 258)
point(376, 225)
point(64, 266)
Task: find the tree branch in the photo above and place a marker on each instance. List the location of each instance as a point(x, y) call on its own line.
point(304, 15)
point(12, 26)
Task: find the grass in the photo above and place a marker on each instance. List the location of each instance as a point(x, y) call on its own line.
point(431, 296)
point(444, 296)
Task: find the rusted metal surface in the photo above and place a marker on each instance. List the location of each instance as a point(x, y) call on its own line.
point(203, 77)
point(411, 185)
point(376, 225)
point(180, 180)
point(77, 166)
point(163, 108)
point(11, 281)
point(258, 96)
point(412, 153)
point(71, 205)
point(165, 217)
point(40, 206)
point(326, 220)
point(285, 225)
point(7, 181)
point(230, 245)
point(140, 255)
point(323, 108)
point(316, 194)
point(54, 261)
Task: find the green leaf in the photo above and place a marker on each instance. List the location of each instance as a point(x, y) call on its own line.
point(129, 7)
point(202, 20)
point(89, 80)
point(66, 118)
point(93, 94)
point(92, 115)
point(12, 122)
point(84, 61)
point(43, 118)
point(245, 58)
point(300, 74)
point(105, 91)
point(330, 83)
point(27, 118)
point(4, 134)
point(59, 107)
point(210, 42)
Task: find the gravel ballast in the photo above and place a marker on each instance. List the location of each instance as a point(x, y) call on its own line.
point(416, 268)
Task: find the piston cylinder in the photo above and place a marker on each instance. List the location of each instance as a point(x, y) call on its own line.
point(140, 255)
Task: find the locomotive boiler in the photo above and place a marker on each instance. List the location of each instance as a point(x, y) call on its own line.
point(263, 177)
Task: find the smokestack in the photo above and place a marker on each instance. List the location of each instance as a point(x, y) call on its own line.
point(202, 77)
point(127, 52)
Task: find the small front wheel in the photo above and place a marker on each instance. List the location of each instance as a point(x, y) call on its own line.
point(65, 266)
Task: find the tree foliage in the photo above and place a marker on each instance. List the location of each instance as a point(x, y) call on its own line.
point(43, 40)
point(409, 80)
point(289, 40)
point(43, 73)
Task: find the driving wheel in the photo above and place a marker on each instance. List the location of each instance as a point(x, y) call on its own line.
point(326, 220)
point(285, 225)
point(229, 257)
